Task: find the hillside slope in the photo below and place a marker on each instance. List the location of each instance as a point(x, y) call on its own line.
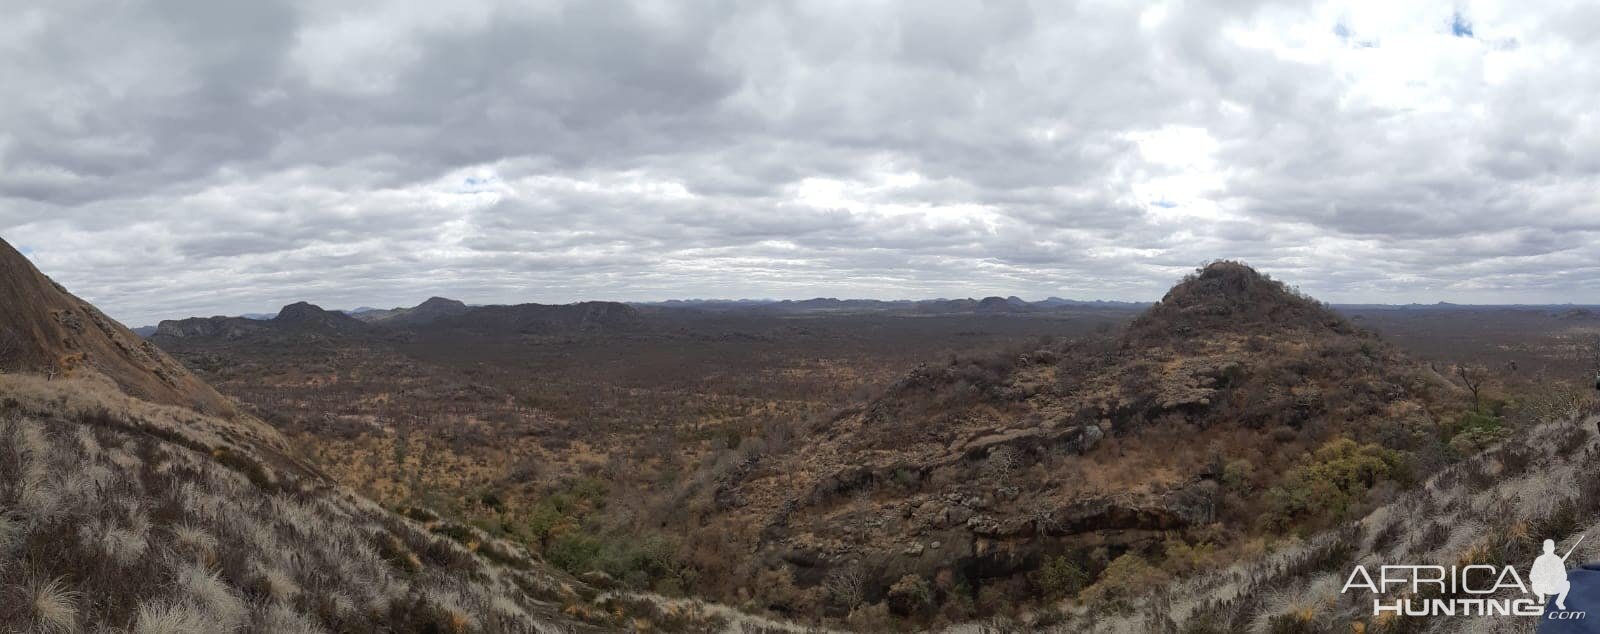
point(1492, 509)
point(128, 505)
point(126, 514)
point(969, 477)
point(44, 328)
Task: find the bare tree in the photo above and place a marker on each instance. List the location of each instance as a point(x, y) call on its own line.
point(1002, 462)
point(847, 586)
point(1044, 521)
point(1473, 375)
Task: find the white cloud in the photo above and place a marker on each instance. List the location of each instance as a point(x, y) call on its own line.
point(167, 158)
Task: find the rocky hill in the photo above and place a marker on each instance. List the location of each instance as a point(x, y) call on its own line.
point(300, 321)
point(310, 317)
point(980, 473)
point(1002, 305)
point(1232, 298)
point(47, 330)
point(429, 311)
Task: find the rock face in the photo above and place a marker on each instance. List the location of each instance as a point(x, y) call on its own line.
point(228, 328)
point(45, 329)
point(300, 321)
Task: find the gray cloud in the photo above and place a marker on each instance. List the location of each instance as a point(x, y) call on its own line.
point(174, 158)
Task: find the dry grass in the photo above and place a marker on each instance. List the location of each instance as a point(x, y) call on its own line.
point(105, 497)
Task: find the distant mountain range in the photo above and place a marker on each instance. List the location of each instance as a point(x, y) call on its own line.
point(991, 305)
point(1554, 308)
point(444, 309)
point(305, 322)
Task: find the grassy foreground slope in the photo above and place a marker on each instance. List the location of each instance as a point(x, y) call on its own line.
point(126, 514)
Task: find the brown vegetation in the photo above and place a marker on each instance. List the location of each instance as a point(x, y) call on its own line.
point(1217, 417)
point(801, 462)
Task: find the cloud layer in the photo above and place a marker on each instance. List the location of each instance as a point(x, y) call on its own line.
point(173, 158)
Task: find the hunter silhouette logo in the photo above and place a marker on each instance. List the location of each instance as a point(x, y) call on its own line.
point(1471, 590)
point(1549, 573)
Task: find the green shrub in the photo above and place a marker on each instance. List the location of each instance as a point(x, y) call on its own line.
point(1327, 483)
point(639, 562)
point(562, 510)
point(573, 552)
point(1126, 577)
point(1060, 577)
point(1236, 475)
point(1183, 558)
point(458, 532)
point(546, 520)
point(492, 501)
point(1476, 430)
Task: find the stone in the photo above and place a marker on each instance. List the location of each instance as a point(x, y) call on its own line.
point(598, 580)
point(1091, 437)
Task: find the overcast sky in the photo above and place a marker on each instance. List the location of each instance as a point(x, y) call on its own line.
point(166, 159)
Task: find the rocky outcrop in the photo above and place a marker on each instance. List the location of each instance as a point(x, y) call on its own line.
point(1231, 297)
point(49, 331)
point(305, 316)
point(227, 328)
point(300, 322)
point(434, 309)
point(1077, 439)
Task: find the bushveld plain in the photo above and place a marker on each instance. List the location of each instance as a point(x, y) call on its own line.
point(901, 465)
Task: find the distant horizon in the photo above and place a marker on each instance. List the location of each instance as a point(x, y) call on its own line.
point(268, 314)
point(130, 301)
